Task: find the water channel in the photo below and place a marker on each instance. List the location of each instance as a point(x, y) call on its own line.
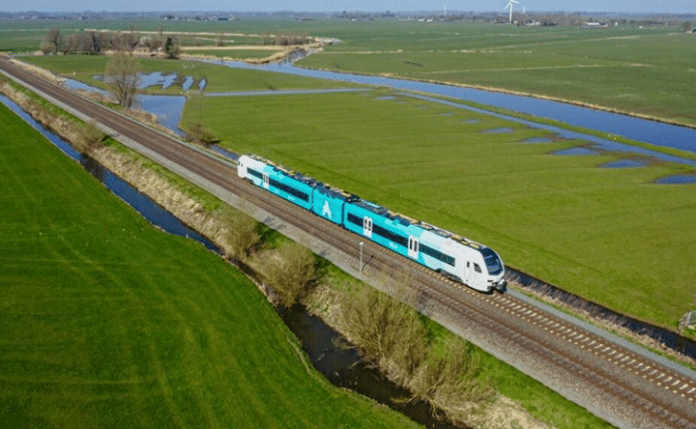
point(325, 347)
point(637, 129)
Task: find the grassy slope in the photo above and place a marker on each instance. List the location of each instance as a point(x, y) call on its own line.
point(107, 322)
point(607, 234)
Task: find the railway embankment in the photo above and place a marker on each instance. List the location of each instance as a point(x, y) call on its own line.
point(202, 214)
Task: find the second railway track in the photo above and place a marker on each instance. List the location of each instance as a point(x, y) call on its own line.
point(622, 386)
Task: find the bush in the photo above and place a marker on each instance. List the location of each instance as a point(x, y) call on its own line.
point(291, 272)
point(199, 135)
point(90, 137)
point(450, 378)
point(388, 333)
point(242, 236)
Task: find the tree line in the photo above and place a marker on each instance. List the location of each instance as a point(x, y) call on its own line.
point(92, 42)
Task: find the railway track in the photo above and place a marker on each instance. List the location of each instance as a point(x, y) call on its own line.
point(620, 385)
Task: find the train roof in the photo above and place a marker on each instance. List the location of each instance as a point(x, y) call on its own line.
point(447, 234)
point(335, 192)
point(288, 172)
point(375, 208)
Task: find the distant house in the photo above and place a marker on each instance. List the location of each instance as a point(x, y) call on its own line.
point(594, 25)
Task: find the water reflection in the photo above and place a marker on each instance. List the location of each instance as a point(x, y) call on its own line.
point(637, 129)
point(502, 130)
point(576, 151)
point(680, 179)
point(537, 140)
point(625, 163)
point(343, 367)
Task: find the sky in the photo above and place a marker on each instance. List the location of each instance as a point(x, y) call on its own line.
point(625, 6)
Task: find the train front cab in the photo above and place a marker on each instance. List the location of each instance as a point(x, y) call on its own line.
point(277, 180)
point(482, 269)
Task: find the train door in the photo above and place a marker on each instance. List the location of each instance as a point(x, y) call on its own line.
point(367, 227)
point(413, 247)
point(265, 180)
point(241, 170)
point(468, 274)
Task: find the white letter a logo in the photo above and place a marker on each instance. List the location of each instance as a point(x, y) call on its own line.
point(326, 211)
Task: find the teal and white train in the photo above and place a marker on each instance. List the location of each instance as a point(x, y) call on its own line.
point(466, 261)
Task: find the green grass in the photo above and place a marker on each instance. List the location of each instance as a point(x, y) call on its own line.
point(645, 71)
point(219, 78)
point(609, 235)
point(238, 54)
point(632, 69)
point(108, 322)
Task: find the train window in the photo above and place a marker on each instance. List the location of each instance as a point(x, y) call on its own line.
point(436, 254)
point(254, 173)
point(290, 190)
point(477, 268)
point(401, 240)
point(493, 263)
point(354, 219)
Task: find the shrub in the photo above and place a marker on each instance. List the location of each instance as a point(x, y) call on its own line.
point(388, 333)
point(450, 378)
point(242, 236)
point(291, 272)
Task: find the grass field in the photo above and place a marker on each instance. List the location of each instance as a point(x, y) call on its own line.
point(609, 235)
point(219, 78)
point(631, 69)
point(634, 69)
point(108, 322)
point(237, 54)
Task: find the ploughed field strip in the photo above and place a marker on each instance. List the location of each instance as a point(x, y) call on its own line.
point(599, 374)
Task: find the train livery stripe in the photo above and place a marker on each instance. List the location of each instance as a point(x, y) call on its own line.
point(401, 240)
point(282, 186)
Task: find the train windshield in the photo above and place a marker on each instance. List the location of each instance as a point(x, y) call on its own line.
point(493, 263)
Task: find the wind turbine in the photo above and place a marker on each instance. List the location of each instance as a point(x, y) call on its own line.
point(509, 5)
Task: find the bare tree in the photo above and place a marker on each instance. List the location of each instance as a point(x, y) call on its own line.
point(450, 377)
point(53, 42)
point(388, 332)
point(121, 75)
point(172, 48)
